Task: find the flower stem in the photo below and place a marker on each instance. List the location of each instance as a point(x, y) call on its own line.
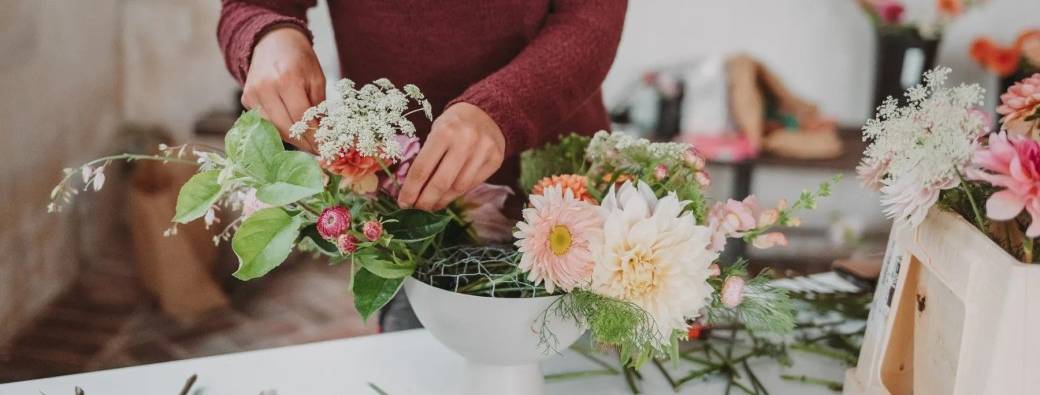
point(974, 206)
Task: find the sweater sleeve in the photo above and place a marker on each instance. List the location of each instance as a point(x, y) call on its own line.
point(244, 22)
point(561, 68)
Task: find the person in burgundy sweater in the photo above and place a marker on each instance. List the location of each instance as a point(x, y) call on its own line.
point(502, 75)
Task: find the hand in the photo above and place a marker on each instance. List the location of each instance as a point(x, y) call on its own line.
point(284, 79)
point(464, 148)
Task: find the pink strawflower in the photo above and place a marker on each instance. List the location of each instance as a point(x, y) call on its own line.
point(559, 238)
point(1020, 102)
point(409, 149)
point(889, 11)
point(734, 219)
point(660, 172)
point(482, 208)
point(373, 230)
point(333, 221)
point(347, 243)
point(733, 291)
point(1011, 163)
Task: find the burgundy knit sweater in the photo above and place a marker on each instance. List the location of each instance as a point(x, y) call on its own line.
point(535, 66)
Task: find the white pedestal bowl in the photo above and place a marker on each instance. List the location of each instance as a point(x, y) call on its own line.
point(498, 337)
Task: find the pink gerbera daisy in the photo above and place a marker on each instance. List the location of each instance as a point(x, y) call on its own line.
point(559, 238)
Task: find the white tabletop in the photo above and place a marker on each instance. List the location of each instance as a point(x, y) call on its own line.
point(401, 363)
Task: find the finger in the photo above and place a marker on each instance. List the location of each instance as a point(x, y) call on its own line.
point(316, 89)
point(420, 170)
point(467, 179)
point(296, 102)
point(439, 186)
point(275, 111)
point(249, 100)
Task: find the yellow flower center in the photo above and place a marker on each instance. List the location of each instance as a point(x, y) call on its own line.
point(639, 274)
point(560, 240)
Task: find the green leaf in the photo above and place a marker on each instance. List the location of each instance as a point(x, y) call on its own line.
point(383, 267)
point(372, 292)
point(197, 196)
point(296, 175)
point(415, 228)
point(311, 232)
point(263, 242)
point(254, 143)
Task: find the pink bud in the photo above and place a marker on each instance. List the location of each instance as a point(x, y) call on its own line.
point(702, 178)
point(768, 217)
point(695, 160)
point(347, 243)
point(373, 230)
point(733, 291)
point(769, 240)
point(333, 221)
point(714, 270)
point(660, 172)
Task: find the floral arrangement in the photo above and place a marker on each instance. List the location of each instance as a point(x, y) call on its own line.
point(889, 16)
point(939, 150)
point(618, 225)
point(1022, 56)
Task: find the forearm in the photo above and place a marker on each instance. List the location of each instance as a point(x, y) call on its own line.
point(244, 22)
point(562, 67)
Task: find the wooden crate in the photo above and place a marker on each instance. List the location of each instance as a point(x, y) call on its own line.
point(953, 314)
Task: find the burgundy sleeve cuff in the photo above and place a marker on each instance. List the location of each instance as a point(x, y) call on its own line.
point(515, 126)
point(239, 31)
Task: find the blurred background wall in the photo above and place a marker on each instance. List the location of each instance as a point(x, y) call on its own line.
point(72, 72)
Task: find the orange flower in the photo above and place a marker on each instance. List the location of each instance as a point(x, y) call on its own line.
point(1026, 36)
point(950, 7)
point(1028, 43)
point(1005, 61)
point(982, 49)
point(578, 185)
point(358, 171)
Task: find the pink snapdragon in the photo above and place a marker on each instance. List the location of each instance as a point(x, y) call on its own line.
point(409, 149)
point(482, 208)
point(1011, 163)
point(733, 219)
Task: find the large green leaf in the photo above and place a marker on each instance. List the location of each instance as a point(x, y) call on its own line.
point(416, 228)
point(295, 175)
point(311, 232)
point(372, 292)
point(385, 268)
point(196, 196)
point(263, 241)
point(254, 143)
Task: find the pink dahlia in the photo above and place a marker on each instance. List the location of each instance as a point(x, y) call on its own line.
point(560, 238)
point(333, 221)
point(1020, 106)
point(1012, 163)
point(482, 208)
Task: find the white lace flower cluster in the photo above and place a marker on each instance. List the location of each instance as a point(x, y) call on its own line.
point(366, 120)
point(606, 146)
point(920, 149)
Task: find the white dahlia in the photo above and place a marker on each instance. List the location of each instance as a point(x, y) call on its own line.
point(654, 256)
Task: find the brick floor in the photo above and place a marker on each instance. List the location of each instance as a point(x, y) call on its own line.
point(298, 303)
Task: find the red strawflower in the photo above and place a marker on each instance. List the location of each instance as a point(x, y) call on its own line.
point(373, 230)
point(333, 221)
point(347, 243)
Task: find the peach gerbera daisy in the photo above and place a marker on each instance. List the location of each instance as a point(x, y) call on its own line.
point(559, 239)
point(578, 185)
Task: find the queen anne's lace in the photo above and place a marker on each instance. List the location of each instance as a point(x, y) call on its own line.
point(366, 120)
point(920, 149)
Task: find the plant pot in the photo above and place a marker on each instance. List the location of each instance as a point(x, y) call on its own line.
point(902, 57)
point(953, 314)
point(498, 337)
